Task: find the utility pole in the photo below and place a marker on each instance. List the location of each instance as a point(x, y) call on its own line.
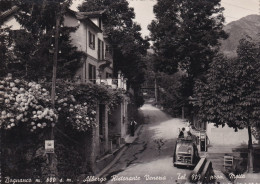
point(54, 76)
point(155, 89)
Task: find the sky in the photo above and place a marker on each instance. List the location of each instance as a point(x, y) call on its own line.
point(234, 10)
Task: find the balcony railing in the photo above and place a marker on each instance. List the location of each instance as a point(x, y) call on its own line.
point(113, 83)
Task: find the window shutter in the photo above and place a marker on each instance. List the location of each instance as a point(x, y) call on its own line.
point(94, 41)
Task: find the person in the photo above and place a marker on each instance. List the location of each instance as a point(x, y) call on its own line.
point(181, 134)
point(133, 123)
point(187, 128)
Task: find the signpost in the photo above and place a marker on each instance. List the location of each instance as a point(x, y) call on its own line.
point(203, 141)
point(49, 146)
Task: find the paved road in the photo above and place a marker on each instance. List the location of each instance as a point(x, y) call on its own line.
point(146, 160)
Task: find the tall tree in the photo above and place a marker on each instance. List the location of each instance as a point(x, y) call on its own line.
point(5, 5)
point(128, 44)
point(185, 35)
point(231, 93)
point(5, 50)
point(33, 46)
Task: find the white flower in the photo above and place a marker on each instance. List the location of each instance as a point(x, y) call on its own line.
point(17, 81)
point(39, 125)
point(12, 84)
point(39, 112)
point(12, 125)
point(8, 126)
point(34, 127)
point(32, 123)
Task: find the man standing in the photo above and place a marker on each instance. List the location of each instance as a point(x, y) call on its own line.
point(133, 123)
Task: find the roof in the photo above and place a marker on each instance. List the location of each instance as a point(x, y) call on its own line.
point(93, 14)
point(5, 15)
point(88, 21)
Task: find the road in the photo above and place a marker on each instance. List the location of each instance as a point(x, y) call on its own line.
point(149, 158)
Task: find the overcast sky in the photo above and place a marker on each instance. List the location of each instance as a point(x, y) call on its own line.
point(234, 10)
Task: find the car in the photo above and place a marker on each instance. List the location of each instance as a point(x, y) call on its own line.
point(186, 152)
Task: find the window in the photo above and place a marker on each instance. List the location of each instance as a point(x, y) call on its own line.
point(92, 73)
point(91, 40)
point(100, 50)
point(100, 23)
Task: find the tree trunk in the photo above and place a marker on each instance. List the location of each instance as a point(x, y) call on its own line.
point(250, 151)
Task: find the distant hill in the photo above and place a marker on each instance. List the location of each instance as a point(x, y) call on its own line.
point(249, 25)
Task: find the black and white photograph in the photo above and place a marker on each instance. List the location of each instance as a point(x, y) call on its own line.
point(130, 91)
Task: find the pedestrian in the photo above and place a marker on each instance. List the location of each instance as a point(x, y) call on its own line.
point(187, 128)
point(181, 134)
point(133, 123)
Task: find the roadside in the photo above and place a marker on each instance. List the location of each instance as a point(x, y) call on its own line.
point(128, 140)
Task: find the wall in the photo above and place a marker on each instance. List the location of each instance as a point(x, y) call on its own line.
point(79, 36)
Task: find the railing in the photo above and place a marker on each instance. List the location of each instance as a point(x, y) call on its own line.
point(113, 83)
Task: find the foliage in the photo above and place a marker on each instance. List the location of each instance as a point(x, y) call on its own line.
point(169, 86)
point(5, 5)
point(128, 44)
point(5, 50)
point(185, 35)
point(230, 95)
point(231, 92)
point(77, 103)
point(25, 102)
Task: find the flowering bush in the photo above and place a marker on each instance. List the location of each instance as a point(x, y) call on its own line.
point(76, 104)
point(25, 102)
point(79, 115)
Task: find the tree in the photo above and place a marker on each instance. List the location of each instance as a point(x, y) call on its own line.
point(5, 5)
point(33, 44)
point(186, 36)
point(128, 44)
point(230, 94)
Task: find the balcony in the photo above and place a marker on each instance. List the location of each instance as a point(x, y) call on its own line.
point(113, 83)
point(119, 83)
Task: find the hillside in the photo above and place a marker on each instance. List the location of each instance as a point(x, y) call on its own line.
point(249, 25)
